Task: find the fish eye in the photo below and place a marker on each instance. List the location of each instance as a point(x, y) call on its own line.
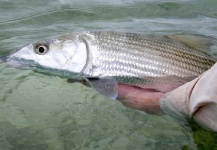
point(41, 49)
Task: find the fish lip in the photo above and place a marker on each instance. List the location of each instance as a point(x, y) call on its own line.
point(19, 62)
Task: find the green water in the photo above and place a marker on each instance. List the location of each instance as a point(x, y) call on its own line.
point(39, 112)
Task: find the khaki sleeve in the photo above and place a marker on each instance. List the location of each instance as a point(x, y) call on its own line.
point(197, 99)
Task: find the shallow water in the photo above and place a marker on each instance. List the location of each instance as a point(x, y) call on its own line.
point(39, 112)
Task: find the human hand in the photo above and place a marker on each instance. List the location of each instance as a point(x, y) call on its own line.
point(141, 99)
point(196, 99)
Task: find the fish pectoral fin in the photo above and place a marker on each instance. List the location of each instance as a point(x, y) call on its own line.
point(202, 43)
point(105, 86)
point(84, 82)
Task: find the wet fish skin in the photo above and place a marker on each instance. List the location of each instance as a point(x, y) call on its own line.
point(132, 54)
point(159, 62)
point(155, 61)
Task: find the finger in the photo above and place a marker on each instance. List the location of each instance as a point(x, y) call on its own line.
point(138, 98)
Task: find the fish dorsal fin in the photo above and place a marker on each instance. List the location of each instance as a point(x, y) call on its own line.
point(198, 42)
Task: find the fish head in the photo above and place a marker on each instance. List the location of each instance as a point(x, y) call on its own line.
point(63, 56)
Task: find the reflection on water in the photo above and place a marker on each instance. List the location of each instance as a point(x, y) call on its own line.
point(42, 112)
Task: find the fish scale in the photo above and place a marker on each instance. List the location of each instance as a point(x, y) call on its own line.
point(145, 51)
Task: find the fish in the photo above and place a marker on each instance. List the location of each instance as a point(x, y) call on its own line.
point(108, 59)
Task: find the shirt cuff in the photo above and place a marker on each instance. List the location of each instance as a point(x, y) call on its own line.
point(176, 102)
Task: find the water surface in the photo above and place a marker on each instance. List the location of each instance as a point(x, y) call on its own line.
point(39, 112)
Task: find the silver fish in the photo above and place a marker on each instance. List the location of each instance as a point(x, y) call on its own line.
point(106, 59)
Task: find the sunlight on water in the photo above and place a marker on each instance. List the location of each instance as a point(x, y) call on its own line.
point(39, 112)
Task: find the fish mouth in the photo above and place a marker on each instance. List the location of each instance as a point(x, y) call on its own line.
point(15, 62)
point(19, 63)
